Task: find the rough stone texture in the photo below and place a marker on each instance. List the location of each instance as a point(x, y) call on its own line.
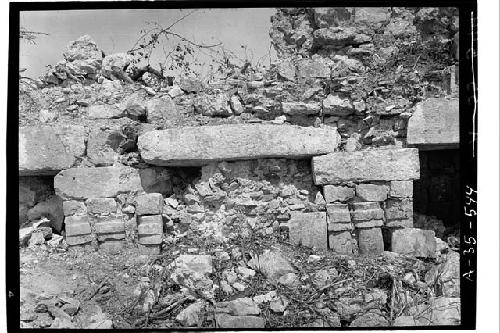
point(435, 124)
point(399, 209)
point(337, 193)
point(308, 229)
point(72, 207)
point(403, 223)
point(364, 211)
point(372, 192)
point(149, 204)
point(201, 264)
point(369, 224)
point(401, 189)
point(367, 165)
point(103, 111)
point(110, 228)
point(78, 230)
point(201, 145)
point(101, 205)
point(370, 241)
point(338, 213)
point(341, 242)
point(103, 145)
point(300, 108)
point(103, 182)
point(150, 230)
point(340, 226)
point(272, 264)
point(45, 150)
point(411, 241)
point(226, 321)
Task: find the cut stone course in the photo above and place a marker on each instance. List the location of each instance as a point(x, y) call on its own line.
point(46, 150)
point(366, 165)
point(435, 124)
point(73, 207)
point(78, 230)
point(308, 229)
point(403, 223)
point(369, 224)
point(372, 192)
point(110, 228)
point(150, 230)
point(149, 204)
point(337, 193)
point(191, 146)
point(365, 211)
point(338, 213)
point(401, 189)
point(300, 108)
point(412, 241)
point(103, 182)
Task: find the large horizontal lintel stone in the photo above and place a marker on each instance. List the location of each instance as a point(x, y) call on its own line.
point(102, 182)
point(366, 165)
point(46, 150)
point(191, 146)
point(435, 124)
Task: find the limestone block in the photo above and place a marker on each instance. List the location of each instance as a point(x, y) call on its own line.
point(102, 182)
point(73, 207)
point(313, 68)
point(337, 193)
point(402, 223)
point(201, 145)
point(338, 213)
point(341, 242)
point(104, 112)
point(110, 227)
point(150, 225)
point(435, 124)
point(150, 239)
point(368, 224)
point(340, 226)
point(300, 108)
point(308, 229)
point(52, 209)
point(370, 241)
point(398, 209)
point(149, 204)
point(103, 144)
point(101, 205)
point(401, 189)
point(45, 150)
point(366, 165)
point(78, 230)
point(372, 192)
point(365, 211)
point(412, 241)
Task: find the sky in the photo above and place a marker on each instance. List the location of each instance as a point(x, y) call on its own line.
point(117, 30)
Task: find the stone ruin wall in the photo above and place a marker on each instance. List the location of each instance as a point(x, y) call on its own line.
point(313, 150)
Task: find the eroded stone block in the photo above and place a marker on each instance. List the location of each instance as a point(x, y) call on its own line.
point(101, 205)
point(341, 242)
point(412, 241)
point(308, 229)
point(398, 209)
point(372, 192)
point(338, 213)
point(370, 241)
point(73, 207)
point(401, 189)
point(149, 204)
point(186, 146)
point(365, 211)
point(337, 193)
point(366, 165)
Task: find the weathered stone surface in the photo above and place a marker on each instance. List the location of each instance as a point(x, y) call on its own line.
point(114, 65)
point(401, 189)
point(45, 150)
point(445, 277)
point(335, 105)
point(341, 242)
point(374, 16)
point(189, 84)
point(156, 180)
point(399, 209)
point(369, 224)
point(403, 223)
point(72, 207)
point(242, 306)
point(435, 124)
point(192, 314)
point(272, 264)
point(78, 230)
point(370, 319)
point(110, 227)
point(308, 229)
point(372, 192)
point(101, 205)
point(201, 145)
point(366, 165)
point(226, 321)
point(201, 264)
point(337, 193)
point(364, 211)
point(313, 68)
point(160, 110)
point(150, 239)
point(439, 311)
point(335, 37)
point(286, 70)
point(300, 108)
point(338, 213)
point(103, 182)
point(412, 241)
point(149, 204)
point(340, 226)
point(150, 225)
point(104, 112)
point(370, 241)
point(103, 145)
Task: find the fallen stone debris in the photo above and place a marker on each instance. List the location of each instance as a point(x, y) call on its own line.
point(283, 197)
